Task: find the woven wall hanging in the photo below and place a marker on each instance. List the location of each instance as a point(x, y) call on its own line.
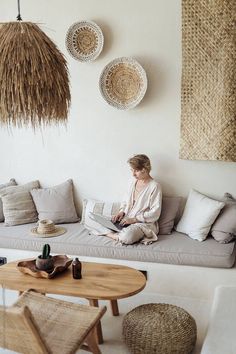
point(208, 118)
point(34, 81)
point(84, 41)
point(123, 83)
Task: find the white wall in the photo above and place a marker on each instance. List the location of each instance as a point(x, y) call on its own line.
point(99, 139)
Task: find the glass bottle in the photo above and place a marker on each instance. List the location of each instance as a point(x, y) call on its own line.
point(76, 268)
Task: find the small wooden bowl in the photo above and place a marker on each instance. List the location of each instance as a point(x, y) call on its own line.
point(61, 262)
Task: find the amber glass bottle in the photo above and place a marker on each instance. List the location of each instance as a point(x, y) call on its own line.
point(77, 268)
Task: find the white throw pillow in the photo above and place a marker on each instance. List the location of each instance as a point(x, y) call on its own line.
point(56, 203)
point(199, 214)
point(97, 207)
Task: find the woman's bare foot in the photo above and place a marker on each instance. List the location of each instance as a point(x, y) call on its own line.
point(112, 235)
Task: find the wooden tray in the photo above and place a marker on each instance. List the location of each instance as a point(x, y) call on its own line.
point(61, 263)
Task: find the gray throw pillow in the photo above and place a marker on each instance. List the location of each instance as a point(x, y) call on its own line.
point(224, 228)
point(56, 203)
point(169, 211)
point(11, 183)
point(18, 206)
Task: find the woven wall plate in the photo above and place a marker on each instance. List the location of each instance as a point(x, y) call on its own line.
point(84, 41)
point(123, 83)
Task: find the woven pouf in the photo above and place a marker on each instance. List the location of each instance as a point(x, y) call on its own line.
point(159, 329)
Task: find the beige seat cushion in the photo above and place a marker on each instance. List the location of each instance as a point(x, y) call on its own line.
point(176, 248)
point(18, 206)
point(56, 203)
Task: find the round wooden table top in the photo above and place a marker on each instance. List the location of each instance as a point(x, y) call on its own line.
point(99, 281)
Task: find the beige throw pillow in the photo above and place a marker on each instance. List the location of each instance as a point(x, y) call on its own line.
point(4, 185)
point(18, 206)
point(19, 209)
point(56, 203)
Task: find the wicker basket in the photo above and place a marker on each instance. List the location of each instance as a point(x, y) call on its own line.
point(123, 83)
point(84, 41)
point(159, 329)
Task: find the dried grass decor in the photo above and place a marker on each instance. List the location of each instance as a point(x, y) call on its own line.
point(34, 82)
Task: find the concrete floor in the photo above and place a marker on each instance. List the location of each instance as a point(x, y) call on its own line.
point(112, 326)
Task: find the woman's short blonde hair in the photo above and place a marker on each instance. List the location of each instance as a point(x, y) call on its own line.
point(138, 162)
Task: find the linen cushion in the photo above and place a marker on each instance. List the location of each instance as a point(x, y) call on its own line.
point(224, 228)
point(97, 207)
point(169, 211)
point(19, 209)
point(176, 248)
point(11, 183)
point(18, 206)
point(56, 203)
point(199, 214)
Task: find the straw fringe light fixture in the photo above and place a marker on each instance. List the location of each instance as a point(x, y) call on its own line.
point(34, 82)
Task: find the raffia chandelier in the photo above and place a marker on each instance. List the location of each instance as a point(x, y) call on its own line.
point(34, 80)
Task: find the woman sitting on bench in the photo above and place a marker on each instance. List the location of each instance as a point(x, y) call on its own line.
point(142, 206)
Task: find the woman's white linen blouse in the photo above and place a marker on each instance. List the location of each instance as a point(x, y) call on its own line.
point(146, 208)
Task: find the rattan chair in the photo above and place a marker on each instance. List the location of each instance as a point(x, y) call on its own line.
point(38, 324)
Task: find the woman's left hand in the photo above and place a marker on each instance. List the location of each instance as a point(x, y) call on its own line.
point(128, 221)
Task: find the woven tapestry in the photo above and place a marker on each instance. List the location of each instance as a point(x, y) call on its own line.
point(208, 94)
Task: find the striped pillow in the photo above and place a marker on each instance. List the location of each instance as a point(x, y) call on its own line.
point(11, 183)
point(97, 207)
point(18, 205)
point(19, 208)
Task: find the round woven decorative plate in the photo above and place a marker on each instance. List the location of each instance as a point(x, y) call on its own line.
point(123, 83)
point(84, 41)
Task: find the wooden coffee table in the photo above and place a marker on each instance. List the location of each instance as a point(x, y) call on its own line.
point(99, 282)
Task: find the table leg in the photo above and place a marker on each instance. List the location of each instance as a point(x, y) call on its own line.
point(114, 307)
point(98, 331)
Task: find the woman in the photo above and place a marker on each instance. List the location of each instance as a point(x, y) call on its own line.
point(142, 207)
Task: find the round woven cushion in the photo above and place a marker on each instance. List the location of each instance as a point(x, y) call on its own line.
point(159, 329)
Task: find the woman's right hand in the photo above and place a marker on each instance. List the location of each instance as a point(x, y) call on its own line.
point(118, 217)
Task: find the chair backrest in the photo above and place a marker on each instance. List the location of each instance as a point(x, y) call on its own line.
point(18, 331)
